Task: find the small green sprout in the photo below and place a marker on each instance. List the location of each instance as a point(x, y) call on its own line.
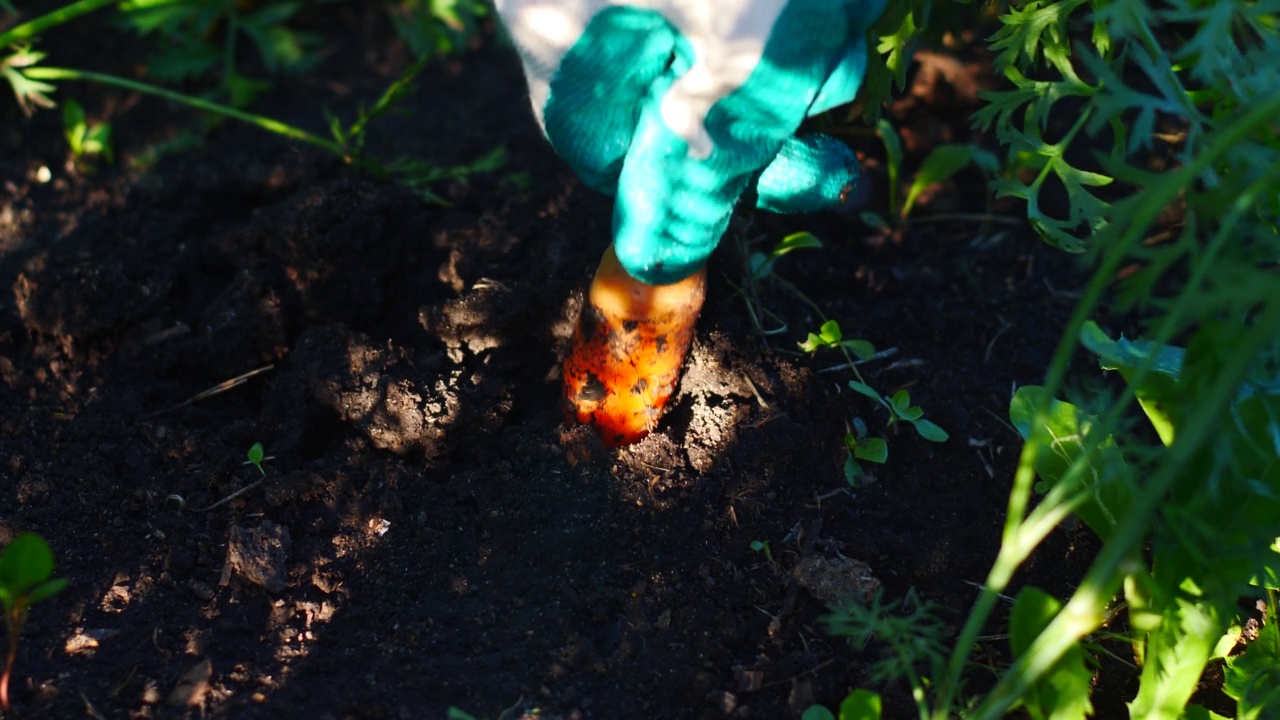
point(256, 455)
point(26, 578)
point(900, 408)
point(862, 447)
point(943, 162)
point(87, 141)
point(762, 264)
point(762, 546)
point(830, 336)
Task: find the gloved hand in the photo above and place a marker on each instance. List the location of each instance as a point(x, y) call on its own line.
point(678, 105)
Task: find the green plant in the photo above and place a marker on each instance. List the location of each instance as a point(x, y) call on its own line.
point(26, 578)
point(88, 141)
point(762, 546)
point(762, 264)
point(1122, 110)
point(255, 457)
point(912, 628)
point(192, 38)
point(32, 83)
point(437, 27)
point(860, 446)
point(940, 165)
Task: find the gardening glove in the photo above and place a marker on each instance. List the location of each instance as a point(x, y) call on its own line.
point(677, 106)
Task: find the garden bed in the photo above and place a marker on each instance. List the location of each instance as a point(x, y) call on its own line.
point(427, 534)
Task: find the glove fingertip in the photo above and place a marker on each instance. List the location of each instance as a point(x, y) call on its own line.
point(810, 173)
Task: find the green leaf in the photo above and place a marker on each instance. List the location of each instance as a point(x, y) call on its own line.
point(929, 431)
point(901, 400)
point(812, 343)
point(183, 62)
point(861, 349)
point(796, 241)
point(873, 219)
point(244, 90)
point(893, 153)
point(31, 94)
point(874, 450)
point(911, 413)
point(852, 470)
point(1162, 366)
point(1062, 693)
point(1199, 712)
point(938, 166)
point(830, 332)
point(1253, 677)
point(73, 119)
point(817, 712)
point(860, 705)
point(25, 563)
point(1061, 433)
point(864, 389)
point(256, 453)
point(46, 589)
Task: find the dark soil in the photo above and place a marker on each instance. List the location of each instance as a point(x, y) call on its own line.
point(427, 534)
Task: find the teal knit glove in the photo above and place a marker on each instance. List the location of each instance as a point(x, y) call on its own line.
point(679, 105)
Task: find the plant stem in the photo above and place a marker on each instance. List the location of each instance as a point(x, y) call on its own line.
point(10, 659)
point(229, 47)
point(260, 121)
point(34, 27)
point(1076, 620)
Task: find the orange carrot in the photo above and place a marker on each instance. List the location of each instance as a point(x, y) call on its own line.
point(628, 348)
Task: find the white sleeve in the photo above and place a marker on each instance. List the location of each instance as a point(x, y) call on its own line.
point(727, 37)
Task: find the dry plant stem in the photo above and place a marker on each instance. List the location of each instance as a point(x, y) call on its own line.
point(230, 497)
point(216, 389)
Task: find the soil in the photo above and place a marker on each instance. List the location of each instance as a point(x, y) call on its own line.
point(426, 532)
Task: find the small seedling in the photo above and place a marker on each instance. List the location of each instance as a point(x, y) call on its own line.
point(87, 141)
point(762, 264)
point(900, 409)
point(256, 455)
point(762, 546)
point(862, 447)
point(943, 162)
point(830, 336)
point(26, 578)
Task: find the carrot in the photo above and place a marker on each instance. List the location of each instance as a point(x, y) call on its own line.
point(629, 346)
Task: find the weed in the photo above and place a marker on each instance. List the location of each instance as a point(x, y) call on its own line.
point(255, 457)
point(829, 336)
point(914, 631)
point(88, 141)
point(26, 578)
point(437, 27)
point(862, 447)
point(1189, 520)
point(281, 51)
point(762, 546)
point(193, 38)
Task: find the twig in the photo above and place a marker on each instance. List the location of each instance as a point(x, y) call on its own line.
point(755, 392)
point(90, 710)
point(230, 497)
point(216, 389)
